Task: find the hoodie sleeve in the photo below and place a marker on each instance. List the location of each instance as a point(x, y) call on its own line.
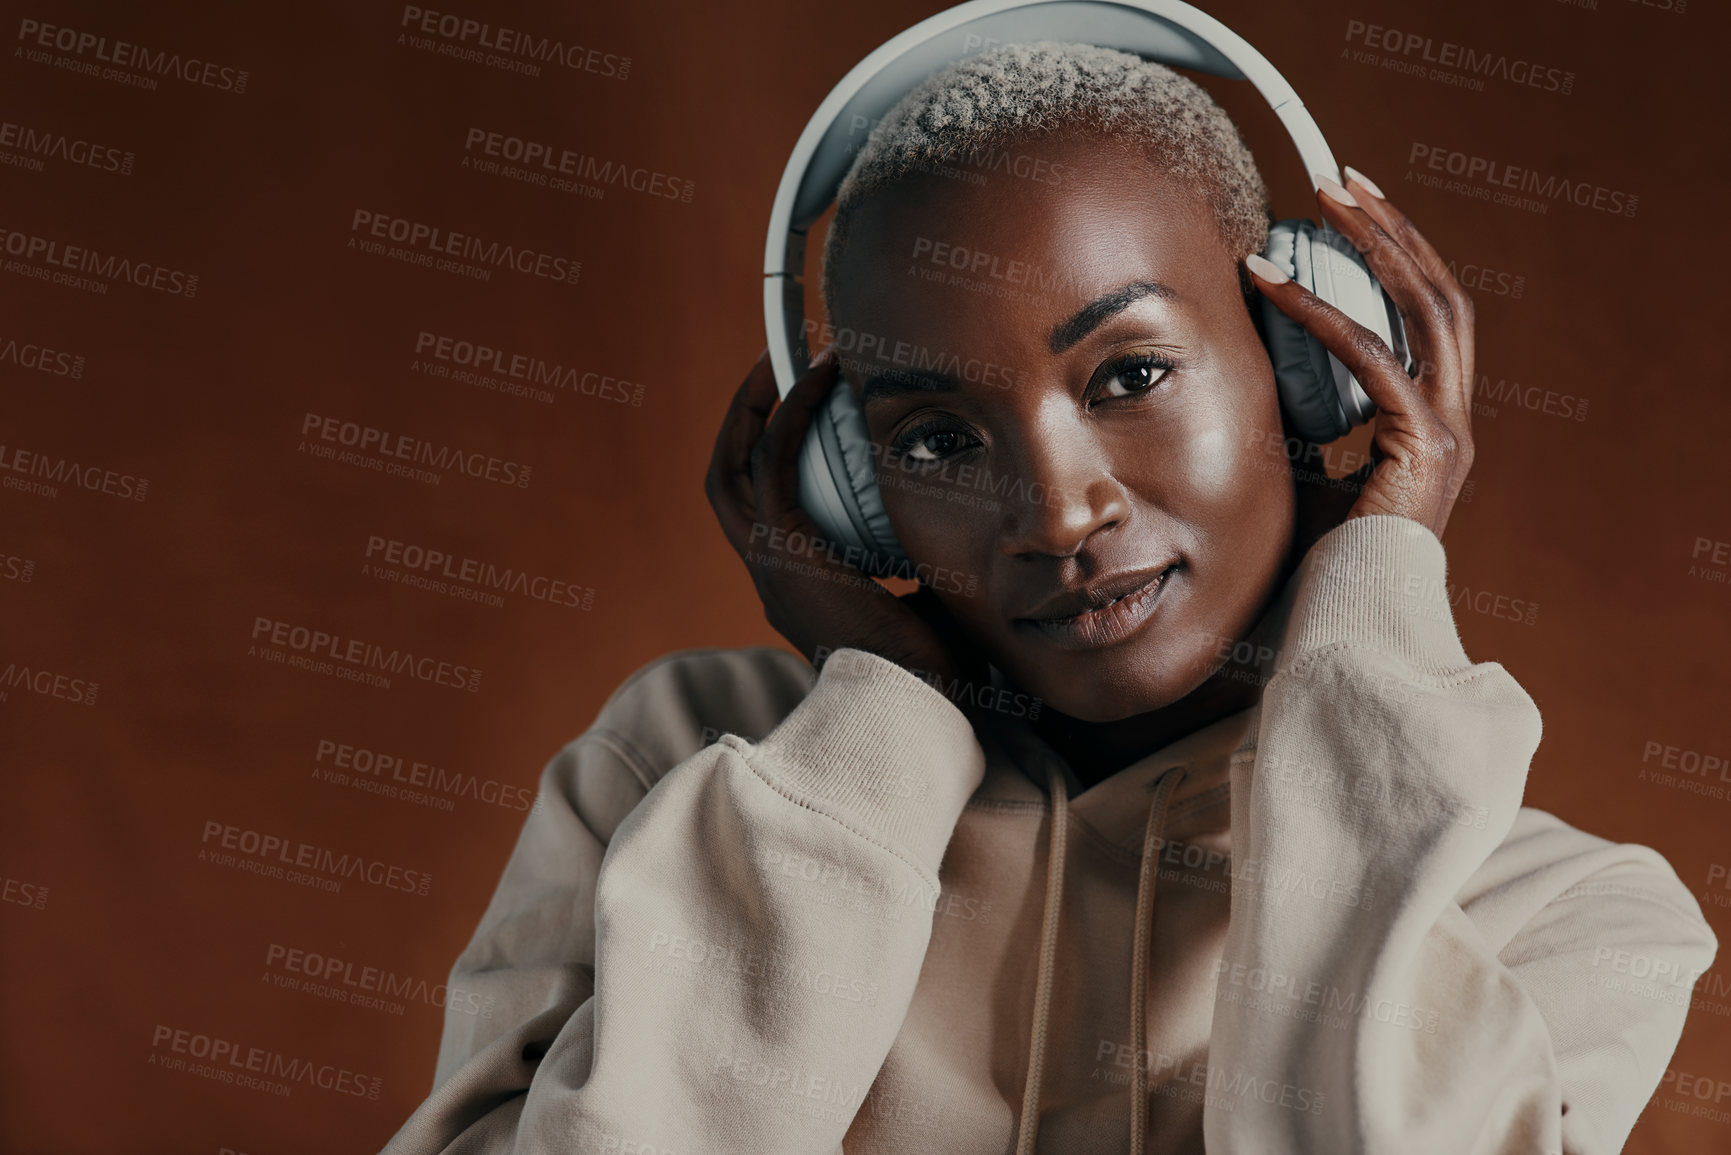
point(752, 950)
point(1360, 1010)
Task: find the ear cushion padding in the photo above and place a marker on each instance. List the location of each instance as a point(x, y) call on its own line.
point(1302, 373)
point(848, 445)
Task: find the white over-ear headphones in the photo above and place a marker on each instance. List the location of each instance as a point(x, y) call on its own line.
point(1320, 398)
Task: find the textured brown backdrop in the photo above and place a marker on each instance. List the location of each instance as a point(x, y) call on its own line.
point(129, 943)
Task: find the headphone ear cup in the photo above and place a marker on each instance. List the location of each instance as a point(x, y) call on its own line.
point(1343, 279)
point(1302, 373)
point(847, 454)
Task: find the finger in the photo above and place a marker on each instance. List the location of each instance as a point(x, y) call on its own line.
point(1426, 310)
point(742, 427)
point(728, 482)
point(775, 461)
point(1397, 225)
point(1396, 395)
point(1457, 413)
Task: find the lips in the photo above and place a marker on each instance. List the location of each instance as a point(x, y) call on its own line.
point(1102, 613)
point(1095, 595)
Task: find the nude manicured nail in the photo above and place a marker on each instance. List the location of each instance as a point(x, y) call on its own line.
point(1262, 267)
point(1370, 185)
point(1331, 188)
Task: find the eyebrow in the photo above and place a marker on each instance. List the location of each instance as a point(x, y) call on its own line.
point(1096, 312)
point(898, 382)
point(882, 386)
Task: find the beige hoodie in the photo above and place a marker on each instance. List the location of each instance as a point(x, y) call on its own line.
point(758, 915)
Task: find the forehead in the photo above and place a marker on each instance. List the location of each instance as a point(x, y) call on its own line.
point(945, 253)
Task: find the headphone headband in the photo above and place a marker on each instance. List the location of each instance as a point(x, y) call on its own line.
point(1166, 31)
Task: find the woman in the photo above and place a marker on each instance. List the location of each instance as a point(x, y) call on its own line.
point(1035, 864)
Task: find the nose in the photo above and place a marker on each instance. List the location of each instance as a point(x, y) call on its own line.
point(1063, 492)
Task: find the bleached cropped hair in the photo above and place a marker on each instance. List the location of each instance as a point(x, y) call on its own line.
point(976, 108)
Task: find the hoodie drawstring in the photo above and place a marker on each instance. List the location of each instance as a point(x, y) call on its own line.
point(1139, 959)
point(1028, 1126)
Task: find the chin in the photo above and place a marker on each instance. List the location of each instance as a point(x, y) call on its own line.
point(1109, 686)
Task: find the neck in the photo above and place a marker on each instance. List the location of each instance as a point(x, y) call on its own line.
point(1098, 750)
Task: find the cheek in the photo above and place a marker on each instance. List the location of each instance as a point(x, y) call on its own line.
point(1208, 469)
point(1215, 462)
point(1232, 472)
point(944, 517)
point(1243, 496)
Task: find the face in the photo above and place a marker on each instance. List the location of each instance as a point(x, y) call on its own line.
point(1069, 403)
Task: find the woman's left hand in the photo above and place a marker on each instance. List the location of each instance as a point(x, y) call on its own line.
point(1422, 442)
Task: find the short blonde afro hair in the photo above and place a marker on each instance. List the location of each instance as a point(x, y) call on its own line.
point(976, 107)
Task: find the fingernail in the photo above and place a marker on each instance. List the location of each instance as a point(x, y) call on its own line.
point(1331, 188)
point(1266, 269)
point(1369, 185)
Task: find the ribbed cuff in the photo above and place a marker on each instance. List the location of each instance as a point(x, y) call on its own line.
point(1380, 582)
point(886, 750)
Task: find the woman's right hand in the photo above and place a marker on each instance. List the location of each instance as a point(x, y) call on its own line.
point(810, 595)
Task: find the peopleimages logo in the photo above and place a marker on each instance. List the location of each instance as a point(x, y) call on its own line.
point(774, 546)
point(1718, 558)
point(47, 684)
point(259, 1068)
point(32, 146)
point(1486, 179)
point(509, 49)
point(864, 352)
point(443, 572)
point(890, 896)
point(98, 269)
point(1282, 993)
point(796, 1090)
point(151, 62)
point(993, 274)
point(360, 658)
point(40, 358)
point(1488, 280)
point(373, 988)
point(1702, 1087)
point(16, 891)
point(268, 854)
point(439, 248)
point(521, 372)
point(396, 776)
point(16, 569)
point(695, 957)
point(399, 454)
point(1674, 7)
point(43, 473)
point(546, 164)
point(1171, 1073)
point(1418, 50)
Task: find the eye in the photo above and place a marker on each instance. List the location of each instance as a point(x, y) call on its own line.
point(932, 441)
point(1128, 376)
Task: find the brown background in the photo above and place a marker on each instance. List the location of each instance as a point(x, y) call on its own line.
point(105, 805)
